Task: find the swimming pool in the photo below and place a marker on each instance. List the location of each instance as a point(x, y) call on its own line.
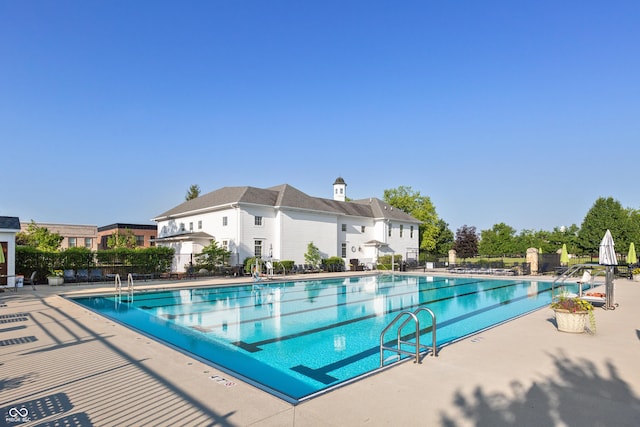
point(298, 338)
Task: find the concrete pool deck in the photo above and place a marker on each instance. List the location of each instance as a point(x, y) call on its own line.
point(61, 362)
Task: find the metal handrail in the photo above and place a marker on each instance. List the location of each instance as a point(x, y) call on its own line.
point(398, 349)
point(434, 347)
point(574, 269)
point(118, 285)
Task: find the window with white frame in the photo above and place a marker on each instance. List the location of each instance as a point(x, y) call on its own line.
point(362, 228)
point(200, 225)
point(72, 242)
point(225, 221)
point(344, 250)
point(390, 227)
point(88, 242)
point(191, 226)
point(411, 232)
point(225, 245)
point(401, 229)
point(257, 220)
point(139, 240)
point(344, 227)
point(257, 248)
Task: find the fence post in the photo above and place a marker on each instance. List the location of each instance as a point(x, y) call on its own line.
point(452, 257)
point(532, 259)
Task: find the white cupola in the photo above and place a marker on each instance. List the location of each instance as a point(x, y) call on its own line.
point(340, 190)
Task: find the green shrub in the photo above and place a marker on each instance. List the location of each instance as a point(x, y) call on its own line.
point(386, 260)
point(333, 263)
point(283, 266)
point(140, 260)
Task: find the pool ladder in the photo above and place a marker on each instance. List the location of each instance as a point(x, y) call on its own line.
point(129, 289)
point(409, 315)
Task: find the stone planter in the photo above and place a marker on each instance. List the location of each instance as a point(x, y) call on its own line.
point(571, 322)
point(55, 280)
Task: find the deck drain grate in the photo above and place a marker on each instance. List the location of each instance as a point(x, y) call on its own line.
point(9, 316)
point(21, 340)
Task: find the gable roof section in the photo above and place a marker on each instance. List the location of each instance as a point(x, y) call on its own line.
point(218, 198)
point(285, 196)
point(382, 209)
point(9, 223)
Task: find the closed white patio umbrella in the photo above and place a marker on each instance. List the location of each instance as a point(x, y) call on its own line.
point(607, 256)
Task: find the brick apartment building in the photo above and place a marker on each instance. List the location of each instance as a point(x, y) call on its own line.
point(143, 233)
point(73, 235)
point(93, 237)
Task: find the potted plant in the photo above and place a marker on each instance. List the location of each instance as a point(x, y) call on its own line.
point(572, 313)
point(636, 274)
point(55, 278)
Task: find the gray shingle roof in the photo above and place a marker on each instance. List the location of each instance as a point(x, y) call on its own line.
point(9, 223)
point(285, 196)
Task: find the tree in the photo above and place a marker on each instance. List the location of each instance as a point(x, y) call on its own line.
point(564, 236)
point(192, 193)
point(119, 240)
point(634, 225)
point(499, 240)
point(39, 237)
point(421, 208)
point(466, 244)
point(312, 256)
point(444, 239)
point(605, 214)
point(211, 256)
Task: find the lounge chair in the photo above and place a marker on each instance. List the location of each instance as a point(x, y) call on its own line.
point(95, 275)
point(82, 276)
point(69, 276)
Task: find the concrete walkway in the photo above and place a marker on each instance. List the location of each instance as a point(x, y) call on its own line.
point(64, 365)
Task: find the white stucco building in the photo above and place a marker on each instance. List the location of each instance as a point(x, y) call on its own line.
point(9, 227)
point(279, 222)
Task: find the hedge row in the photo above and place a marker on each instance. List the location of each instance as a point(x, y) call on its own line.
point(154, 260)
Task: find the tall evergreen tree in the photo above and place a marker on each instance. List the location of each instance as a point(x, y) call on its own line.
point(192, 193)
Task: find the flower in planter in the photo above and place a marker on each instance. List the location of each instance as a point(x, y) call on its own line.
point(571, 304)
point(55, 273)
point(574, 305)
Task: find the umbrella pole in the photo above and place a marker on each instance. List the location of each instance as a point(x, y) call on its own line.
point(609, 293)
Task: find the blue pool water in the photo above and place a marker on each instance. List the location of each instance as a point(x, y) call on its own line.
point(295, 339)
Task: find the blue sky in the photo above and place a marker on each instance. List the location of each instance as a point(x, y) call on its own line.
point(499, 111)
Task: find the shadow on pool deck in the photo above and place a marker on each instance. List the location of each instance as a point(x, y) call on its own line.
point(60, 362)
